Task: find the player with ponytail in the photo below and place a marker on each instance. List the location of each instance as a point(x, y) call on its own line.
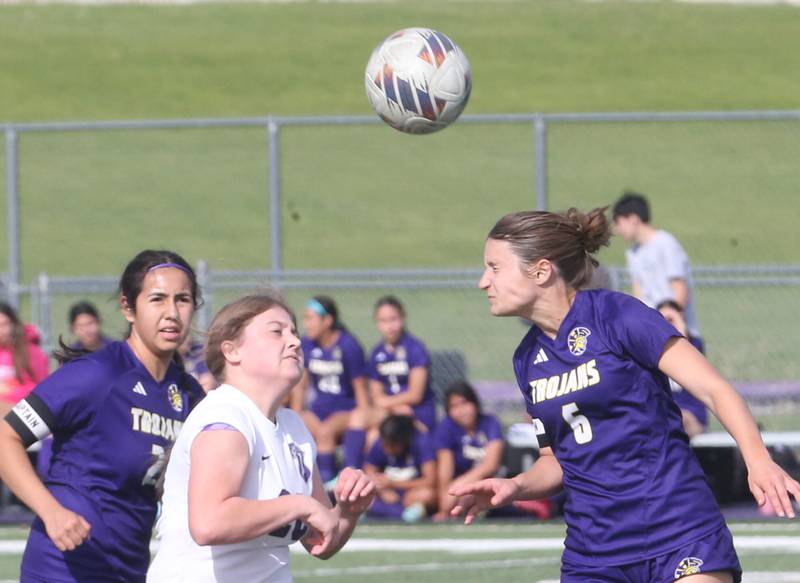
point(593, 371)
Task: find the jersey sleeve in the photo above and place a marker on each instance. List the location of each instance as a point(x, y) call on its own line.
point(227, 414)
point(443, 435)
point(636, 330)
point(372, 366)
point(64, 400)
point(418, 355)
point(494, 431)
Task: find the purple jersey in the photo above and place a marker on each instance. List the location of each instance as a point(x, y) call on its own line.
point(406, 467)
point(331, 372)
point(467, 449)
point(634, 487)
point(111, 422)
point(391, 365)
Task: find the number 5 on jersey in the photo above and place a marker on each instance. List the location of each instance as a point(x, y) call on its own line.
point(580, 424)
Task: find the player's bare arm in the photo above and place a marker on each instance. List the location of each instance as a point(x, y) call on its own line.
point(768, 481)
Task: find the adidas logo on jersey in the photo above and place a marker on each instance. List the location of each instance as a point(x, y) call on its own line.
point(139, 388)
point(540, 357)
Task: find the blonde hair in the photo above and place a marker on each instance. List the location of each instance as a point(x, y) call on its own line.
point(569, 240)
point(231, 320)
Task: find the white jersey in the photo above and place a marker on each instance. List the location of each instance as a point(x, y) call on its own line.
point(281, 462)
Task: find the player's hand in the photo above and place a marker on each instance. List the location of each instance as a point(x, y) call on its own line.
point(354, 492)
point(472, 499)
point(323, 528)
point(769, 482)
point(382, 481)
point(66, 529)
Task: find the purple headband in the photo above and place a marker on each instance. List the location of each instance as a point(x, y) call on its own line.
point(175, 265)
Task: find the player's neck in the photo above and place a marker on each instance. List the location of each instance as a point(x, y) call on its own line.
point(156, 364)
point(268, 401)
point(645, 233)
point(552, 308)
point(329, 338)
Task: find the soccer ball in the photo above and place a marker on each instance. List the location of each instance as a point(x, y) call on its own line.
point(418, 80)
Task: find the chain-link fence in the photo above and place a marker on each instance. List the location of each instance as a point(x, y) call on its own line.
point(304, 196)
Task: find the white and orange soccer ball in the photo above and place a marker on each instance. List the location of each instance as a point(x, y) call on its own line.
point(418, 80)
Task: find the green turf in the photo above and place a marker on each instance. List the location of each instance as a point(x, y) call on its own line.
point(431, 566)
point(370, 197)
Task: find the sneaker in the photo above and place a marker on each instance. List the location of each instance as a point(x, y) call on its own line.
point(414, 513)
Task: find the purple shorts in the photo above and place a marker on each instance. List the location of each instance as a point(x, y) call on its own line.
point(713, 552)
point(324, 408)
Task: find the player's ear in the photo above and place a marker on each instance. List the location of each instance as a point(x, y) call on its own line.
point(540, 271)
point(230, 350)
point(127, 309)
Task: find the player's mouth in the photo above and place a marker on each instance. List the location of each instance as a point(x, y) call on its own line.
point(170, 333)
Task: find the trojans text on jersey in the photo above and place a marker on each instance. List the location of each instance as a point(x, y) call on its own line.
point(582, 376)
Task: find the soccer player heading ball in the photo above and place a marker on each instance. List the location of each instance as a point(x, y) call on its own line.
point(593, 373)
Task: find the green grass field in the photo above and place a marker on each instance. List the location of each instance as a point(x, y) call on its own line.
point(368, 197)
point(430, 553)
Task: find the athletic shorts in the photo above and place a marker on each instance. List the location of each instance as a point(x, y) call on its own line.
point(327, 407)
point(713, 552)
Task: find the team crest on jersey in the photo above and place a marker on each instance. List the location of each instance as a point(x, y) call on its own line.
point(337, 353)
point(578, 339)
point(175, 397)
point(400, 353)
point(297, 454)
point(688, 566)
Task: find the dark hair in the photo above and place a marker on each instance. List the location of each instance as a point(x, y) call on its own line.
point(231, 320)
point(461, 389)
point(130, 283)
point(130, 286)
point(670, 304)
point(631, 203)
point(331, 310)
point(390, 301)
point(569, 240)
point(398, 429)
point(19, 344)
point(82, 308)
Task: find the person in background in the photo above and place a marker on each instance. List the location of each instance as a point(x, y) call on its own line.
point(112, 414)
point(469, 444)
point(86, 326)
point(659, 267)
point(336, 369)
point(23, 363)
point(694, 412)
point(241, 484)
point(399, 380)
point(403, 465)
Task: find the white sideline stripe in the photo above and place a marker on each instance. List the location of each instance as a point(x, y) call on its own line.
point(424, 567)
point(475, 545)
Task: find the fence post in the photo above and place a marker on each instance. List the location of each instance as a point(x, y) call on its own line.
point(12, 214)
point(275, 242)
point(204, 281)
point(42, 288)
point(540, 139)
